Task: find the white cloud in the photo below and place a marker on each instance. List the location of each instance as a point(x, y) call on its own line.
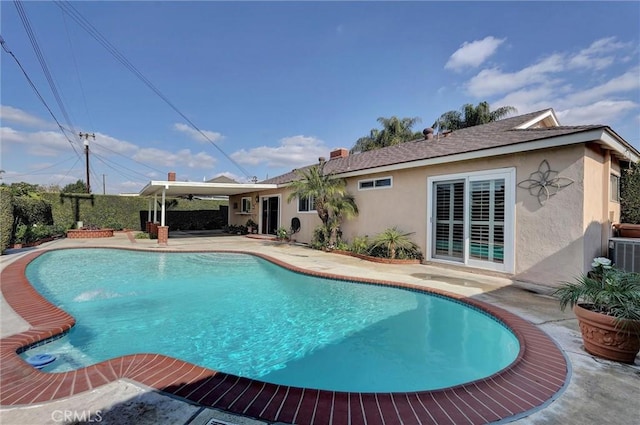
point(196, 135)
point(629, 81)
point(106, 144)
point(294, 151)
point(602, 112)
point(598, 55)
point(20, 117)
point(493, 81)
point(473, 54)
point(183, 157)
point(39, 143)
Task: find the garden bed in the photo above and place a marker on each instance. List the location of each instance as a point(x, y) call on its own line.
point(377, 259)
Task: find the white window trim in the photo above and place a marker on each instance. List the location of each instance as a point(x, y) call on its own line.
point(312, 208)
point(374, 183)
point(242, 210)
point(617, 201)
point(509, 174)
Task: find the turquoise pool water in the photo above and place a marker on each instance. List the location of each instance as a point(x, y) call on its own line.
point(243, 315)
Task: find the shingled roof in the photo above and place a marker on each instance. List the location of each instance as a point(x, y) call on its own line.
point(496, 134)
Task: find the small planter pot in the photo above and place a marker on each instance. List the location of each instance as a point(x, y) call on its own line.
point(602, 338)
point(627, 230)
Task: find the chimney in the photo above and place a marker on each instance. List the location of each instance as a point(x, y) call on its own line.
point(428, 133)
point(172, 176)
point(339, 153)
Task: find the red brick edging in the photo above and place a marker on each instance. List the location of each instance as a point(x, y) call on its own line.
point(532, 380)
point(89, 233)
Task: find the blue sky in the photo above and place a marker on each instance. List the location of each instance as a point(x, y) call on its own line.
point(275, 85)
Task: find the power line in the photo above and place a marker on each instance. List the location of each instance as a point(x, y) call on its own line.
point(44, 102)
point(107, 162)
point(75, 63)
point(43, 63)
point(87, 26)
point(124, 156)
point(37, 171)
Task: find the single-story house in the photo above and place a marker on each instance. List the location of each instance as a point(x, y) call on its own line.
point(523, 196)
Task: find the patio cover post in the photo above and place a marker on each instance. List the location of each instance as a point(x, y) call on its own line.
point(164, 190)
point(155, 207)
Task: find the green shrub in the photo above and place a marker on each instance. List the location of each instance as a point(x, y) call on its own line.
point(22, 234)
point(394, 244)
point(282, 233)
point(360, 245)
point(630, 194)
point(320, 237)
point(6, 218)
point(142, 235)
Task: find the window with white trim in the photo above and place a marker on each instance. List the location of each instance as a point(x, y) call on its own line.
point(614, 187)
point(306, 204)
point(246, 205)
point(382, 183)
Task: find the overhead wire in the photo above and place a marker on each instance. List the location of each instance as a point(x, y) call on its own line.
point(75, 63)
point(87, 26)
point(107, 162)
point(43, 63)
point(35, 89)
point(37, 171)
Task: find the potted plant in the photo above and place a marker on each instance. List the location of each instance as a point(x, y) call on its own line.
point(606, 302)
point(21, 235)
point(282, 234)
point(252, 227)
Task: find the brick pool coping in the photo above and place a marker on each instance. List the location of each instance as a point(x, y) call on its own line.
point(534, 379)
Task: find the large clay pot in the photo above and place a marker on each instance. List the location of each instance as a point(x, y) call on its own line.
point(604, 339)
point(627, 230)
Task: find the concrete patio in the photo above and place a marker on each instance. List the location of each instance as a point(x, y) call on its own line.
point(599, 391)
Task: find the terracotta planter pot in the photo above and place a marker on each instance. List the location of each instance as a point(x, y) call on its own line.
point(626, 230)
point(602, 338)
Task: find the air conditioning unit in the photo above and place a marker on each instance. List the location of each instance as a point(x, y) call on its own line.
point(625, 253)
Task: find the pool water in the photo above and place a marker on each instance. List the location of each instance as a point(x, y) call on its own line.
point(246, 316)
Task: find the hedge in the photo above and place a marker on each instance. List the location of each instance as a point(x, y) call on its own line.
point(113, 211)
point(630, 194)
point(6, 218)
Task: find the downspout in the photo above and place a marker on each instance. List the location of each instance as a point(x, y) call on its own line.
point(606, 218)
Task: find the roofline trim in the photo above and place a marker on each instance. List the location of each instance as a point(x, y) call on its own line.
point(548, 113)
point(598, 134)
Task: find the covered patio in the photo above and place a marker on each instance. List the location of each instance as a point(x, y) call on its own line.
point(172, 188)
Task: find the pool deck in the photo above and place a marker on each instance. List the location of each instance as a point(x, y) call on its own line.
point(126, 390)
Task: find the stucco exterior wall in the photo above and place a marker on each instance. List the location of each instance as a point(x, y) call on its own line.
point(553, 241)
point(550, 237)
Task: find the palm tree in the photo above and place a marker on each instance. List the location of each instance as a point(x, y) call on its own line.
point(332, 201)
point(470, 116)
point(394, 131)
point(340, 208)
point(393, 240)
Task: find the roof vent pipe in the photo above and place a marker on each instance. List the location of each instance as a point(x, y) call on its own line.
point(428, 133)
point(322, 160)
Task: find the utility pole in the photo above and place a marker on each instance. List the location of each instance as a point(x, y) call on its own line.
point(86, 154)
point(104, 192)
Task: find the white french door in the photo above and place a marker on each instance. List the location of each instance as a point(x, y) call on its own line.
point(472, 219)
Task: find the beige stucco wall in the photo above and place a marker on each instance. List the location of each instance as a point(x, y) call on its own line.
point(553, 242)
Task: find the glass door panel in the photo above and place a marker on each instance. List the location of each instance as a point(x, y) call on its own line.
point(486, 220)
point(448, 223)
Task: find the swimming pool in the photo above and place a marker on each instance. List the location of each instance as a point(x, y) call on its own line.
point(246, 316)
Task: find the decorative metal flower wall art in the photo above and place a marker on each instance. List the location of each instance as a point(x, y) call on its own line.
point(544, 183)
